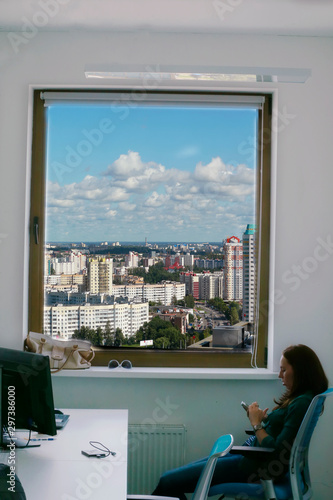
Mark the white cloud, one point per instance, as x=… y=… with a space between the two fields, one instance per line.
x=130 y=165
x=156 y=200
x=127 y=207
x=215 y=171
x=116 y=194
x=140 y=198
x=53 y=202
x=135 y=176
x=111 y=213
x=127 y=165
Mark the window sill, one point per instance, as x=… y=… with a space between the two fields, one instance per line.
x=172 y=373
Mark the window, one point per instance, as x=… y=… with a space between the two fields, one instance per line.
x=123 y=182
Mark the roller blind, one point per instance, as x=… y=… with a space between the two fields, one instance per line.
x=101 y=97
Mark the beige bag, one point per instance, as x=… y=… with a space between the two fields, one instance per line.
x=71 y=354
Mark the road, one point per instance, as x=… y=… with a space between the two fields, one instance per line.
x=209 y=317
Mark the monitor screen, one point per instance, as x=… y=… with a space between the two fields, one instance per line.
x=27 y=396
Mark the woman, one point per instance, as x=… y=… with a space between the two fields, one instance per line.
x=303 y=377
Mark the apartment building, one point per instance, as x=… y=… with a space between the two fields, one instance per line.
x=132 y=260
x=249 y=272
x=203 y=285
x=233 y=269
x=100 y=275
x=191 y=282
x=62 y=320
x=164 y=293
x=210 y=285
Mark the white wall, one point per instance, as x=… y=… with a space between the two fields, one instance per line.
x=304 y=204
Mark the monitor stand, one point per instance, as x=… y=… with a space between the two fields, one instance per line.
x=8 y=442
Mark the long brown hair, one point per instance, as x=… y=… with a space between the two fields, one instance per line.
x=308 y=373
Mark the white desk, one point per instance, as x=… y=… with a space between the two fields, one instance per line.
x=58 y=471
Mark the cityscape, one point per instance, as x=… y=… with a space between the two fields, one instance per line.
x=155 y=295
x=120 y=181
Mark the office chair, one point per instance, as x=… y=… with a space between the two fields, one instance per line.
x=297 y=483
x=221 y=447
x=6 y=480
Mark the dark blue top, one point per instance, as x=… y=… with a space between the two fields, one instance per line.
x=281 y=426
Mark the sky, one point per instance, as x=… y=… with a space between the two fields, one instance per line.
x=165 y=173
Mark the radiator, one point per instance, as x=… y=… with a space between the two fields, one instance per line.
x=153 y=449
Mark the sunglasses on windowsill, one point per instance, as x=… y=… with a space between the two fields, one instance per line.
x=124 y=364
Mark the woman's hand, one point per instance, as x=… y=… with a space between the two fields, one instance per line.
x=255 y=414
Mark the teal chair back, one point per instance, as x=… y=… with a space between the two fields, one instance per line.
x=299 y=464
x=220 y=448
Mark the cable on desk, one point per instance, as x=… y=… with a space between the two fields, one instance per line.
x=13 y=441
x=103 y=448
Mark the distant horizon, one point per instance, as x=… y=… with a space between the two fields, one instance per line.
x=137 y=243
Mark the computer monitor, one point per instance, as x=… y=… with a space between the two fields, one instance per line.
x=26 y=393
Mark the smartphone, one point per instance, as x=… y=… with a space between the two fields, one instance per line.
x=94 y=453
x=245 y=406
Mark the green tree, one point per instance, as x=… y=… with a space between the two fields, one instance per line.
x=108 y=334
x=96 y=337
x=173 y=334
x=118 y=337
x=155 y=274
x=108 y=341
x=193 y=338
x=158 y=328
x=142 y=333
x=234 y=317
x=189 y=301
x=129 y=340
x=85 y=333
x=82 y=333
x=238 y=309
x=220 y=305
x=162 y=343
x=207 y=332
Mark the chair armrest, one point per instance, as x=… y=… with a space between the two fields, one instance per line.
x=255 y=452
